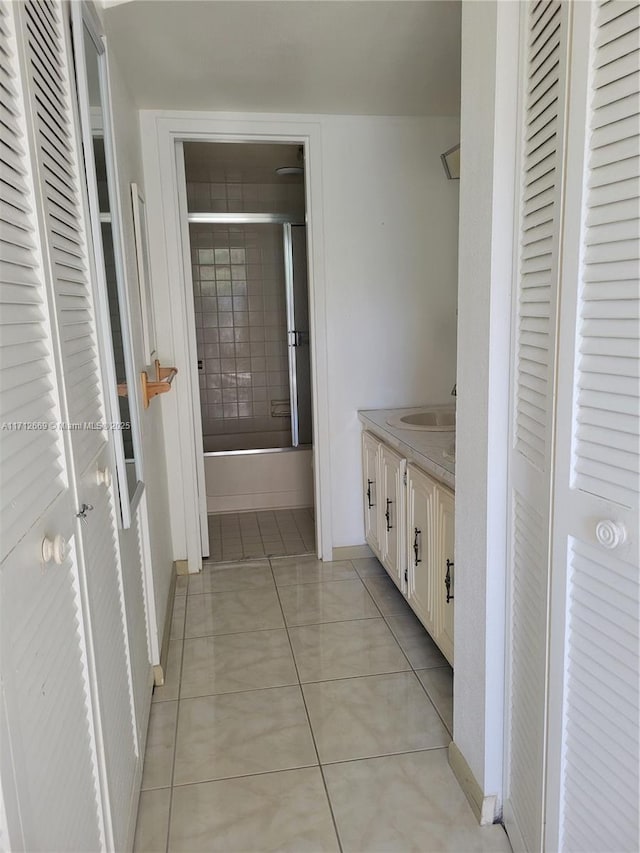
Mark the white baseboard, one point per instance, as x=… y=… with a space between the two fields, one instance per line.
x=484 y=807
x=160 y=669
x=352 y=552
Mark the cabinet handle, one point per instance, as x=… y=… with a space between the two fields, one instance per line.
x=369 y=484
x=416 y=547
x=447 y=581
x=387 y=515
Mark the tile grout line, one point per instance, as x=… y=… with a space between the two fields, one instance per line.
x=306 y=710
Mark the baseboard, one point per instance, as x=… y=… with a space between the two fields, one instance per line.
x=352 y=552
x=484 y=807
x=160 y=669
x=181 y=567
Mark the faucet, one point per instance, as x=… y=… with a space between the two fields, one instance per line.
x=454 y=393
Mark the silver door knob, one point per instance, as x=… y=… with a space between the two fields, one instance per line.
x=610 y=534
x=54 y=549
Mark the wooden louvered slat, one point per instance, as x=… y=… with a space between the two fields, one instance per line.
x=59 y=170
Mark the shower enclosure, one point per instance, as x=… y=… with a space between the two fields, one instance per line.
x=247 y=245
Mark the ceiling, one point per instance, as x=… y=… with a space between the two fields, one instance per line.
x=253 y=163
x=361 y=57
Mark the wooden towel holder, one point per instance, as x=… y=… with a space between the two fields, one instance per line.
x=161 y=384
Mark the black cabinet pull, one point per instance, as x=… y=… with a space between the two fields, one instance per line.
x=416 y=547
x=448 y=581
x=369 y=484
x=388 y=516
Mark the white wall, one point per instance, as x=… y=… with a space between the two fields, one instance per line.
x=391 y=238
x=488 y=131
x=127 y=145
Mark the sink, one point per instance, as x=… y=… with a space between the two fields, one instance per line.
x=431 y=419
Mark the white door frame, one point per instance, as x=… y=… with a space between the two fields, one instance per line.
x=161 y=130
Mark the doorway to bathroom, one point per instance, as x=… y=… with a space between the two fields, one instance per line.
x=245 y=210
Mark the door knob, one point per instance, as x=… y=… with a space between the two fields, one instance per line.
x=610 y=534
x=103 y=475
x=82 y=514
x=54 y=549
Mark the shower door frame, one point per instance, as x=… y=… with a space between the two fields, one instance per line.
x=162 y=134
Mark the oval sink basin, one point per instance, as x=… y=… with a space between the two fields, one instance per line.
x=432 y=419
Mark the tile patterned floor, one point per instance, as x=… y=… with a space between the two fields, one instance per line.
x=268 y=533
x=304 y=709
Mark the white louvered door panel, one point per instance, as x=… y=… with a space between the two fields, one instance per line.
x=106 y=600
x=48 y=760
x=61 y=183
x=594 y=753
x=544 y=39
x=45 y=29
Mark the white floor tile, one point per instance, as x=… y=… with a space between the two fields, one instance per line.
x=153 y=821
x=161 y=737
x=284 y=811
x=375 y=715
x=345 y=649
x=234 y=662
x=406 y=804
x=332 y=601
x=438 y=683
x=237 y=734
x=233 y=612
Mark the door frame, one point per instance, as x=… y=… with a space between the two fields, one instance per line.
x=161 y=131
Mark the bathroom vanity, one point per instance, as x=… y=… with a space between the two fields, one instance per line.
x=408 y=485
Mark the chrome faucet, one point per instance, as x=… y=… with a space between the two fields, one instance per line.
x=454 y=393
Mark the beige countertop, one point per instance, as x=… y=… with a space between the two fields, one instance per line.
x=425 y=449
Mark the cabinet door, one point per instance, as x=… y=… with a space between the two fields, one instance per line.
x=443 y=571
x=370 y=472
x=421 y=509
x=392 y=514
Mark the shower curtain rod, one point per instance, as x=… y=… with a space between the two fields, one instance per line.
x=241 y=219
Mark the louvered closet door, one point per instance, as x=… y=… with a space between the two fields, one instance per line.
x=594 y=756
x=545 y=28
x=48 y=54
x=48 y=760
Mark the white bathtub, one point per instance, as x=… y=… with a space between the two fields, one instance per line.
x=244 y=480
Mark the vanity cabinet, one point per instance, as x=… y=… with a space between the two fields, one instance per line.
x=392 y=511
x=430 y=535
x=409 y=524
x=370 y=477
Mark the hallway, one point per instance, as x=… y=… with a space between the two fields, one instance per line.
x=305 y=708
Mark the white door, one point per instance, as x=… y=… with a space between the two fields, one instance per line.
x=50 y=773
x=370 y=473
x=543 y=84
x=594 y=756
x=421 y=514
x=444 y=572
x=45 y=31
x=392 y=532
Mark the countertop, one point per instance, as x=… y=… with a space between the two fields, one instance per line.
x=425 y=449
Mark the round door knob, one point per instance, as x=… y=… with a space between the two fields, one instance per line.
x=103 y=475
x=54 y=549
x=610 y=534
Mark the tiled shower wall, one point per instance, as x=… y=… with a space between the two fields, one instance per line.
x=240 y=310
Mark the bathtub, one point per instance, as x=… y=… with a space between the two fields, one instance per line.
x=258 y=477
